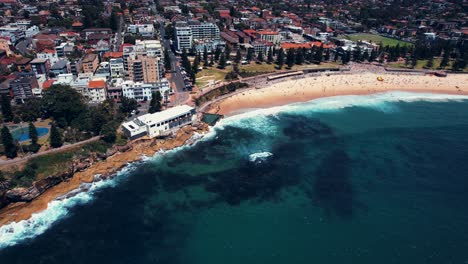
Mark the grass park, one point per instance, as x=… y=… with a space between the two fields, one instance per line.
x=213 y=74
x=376 y=39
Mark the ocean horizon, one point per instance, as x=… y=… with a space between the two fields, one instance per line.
x=378 y=178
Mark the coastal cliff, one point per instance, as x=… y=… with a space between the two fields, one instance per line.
x=19 y=203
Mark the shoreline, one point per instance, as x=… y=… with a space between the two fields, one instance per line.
x=108 y=168
x=304 y=89
x=271 y=94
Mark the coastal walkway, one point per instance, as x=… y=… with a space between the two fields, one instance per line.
x=55 y=150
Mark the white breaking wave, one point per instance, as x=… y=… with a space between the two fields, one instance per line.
x=259 y=156
x=16 y=232
x=259 y=120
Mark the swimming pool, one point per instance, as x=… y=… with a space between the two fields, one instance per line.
x=22 y=134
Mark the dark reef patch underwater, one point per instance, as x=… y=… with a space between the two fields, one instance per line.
x=353 y=179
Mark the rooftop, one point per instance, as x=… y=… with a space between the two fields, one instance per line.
x=95 y=84
x=165 y=115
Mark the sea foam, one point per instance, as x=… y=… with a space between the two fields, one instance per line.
x=259 y=120
x=259 y=156
x=16 y=232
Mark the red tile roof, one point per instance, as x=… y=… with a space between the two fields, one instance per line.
x=113 y=54
x=96 y=84
x=267 y=32
x=46 y=85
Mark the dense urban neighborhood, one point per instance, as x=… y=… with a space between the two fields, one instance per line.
x=75 y=71
x=233 y=131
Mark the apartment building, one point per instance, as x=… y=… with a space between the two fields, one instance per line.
x=144 y=69
x=22 y=87
x=90 y=63
x=270 y=36
x=145 y=30
x=150 y=48
x=183 y=36
x=143 y=91
x=97 y=90
x=117 y=69
x=51 y=55
x=204 y=31
x=40 y=66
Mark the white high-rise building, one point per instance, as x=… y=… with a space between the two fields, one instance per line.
x=204 y=31
x=183 y=37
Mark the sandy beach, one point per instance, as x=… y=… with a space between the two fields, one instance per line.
x=283 y=92
x=275 y=93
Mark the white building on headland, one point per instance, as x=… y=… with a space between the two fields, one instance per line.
x=161 y=123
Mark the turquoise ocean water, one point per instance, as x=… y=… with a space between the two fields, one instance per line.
x=351 y=179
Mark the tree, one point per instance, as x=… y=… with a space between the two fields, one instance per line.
x=260 y=56
x=373 y=55
x=33 y=134
x=6 y=108
x=113 y=21
x=185 y=60
x=55 y=138
x=155 y=103
x=2 y=177
x=167 y=60
x=357 y=54
x=270 y=56
x=108 y=133
x=205 y=56
x=318 y=56
x=445 y=60
x=211 y=60
x=430 y=63
x=238 y=57
x=10 y=148
x=222 y=62
x=217 y=53
x=299 y=58
x=63 y=103
x=280 y=58
x=327 y=55
x=250 y=54
x=196 y=63
x=128 y=105
x=290 y=58
x=365 y=56
x=227 y=52
x=169 y=31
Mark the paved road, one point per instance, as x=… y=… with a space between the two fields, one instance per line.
x=62 y=148
x=118 y=35
x=176 y=77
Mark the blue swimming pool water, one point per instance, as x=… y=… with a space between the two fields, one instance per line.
x=22 y=134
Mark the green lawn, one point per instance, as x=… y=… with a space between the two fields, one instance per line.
x=376 y=39
x=254 y=67
x=421 y=64
x=208 y=75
